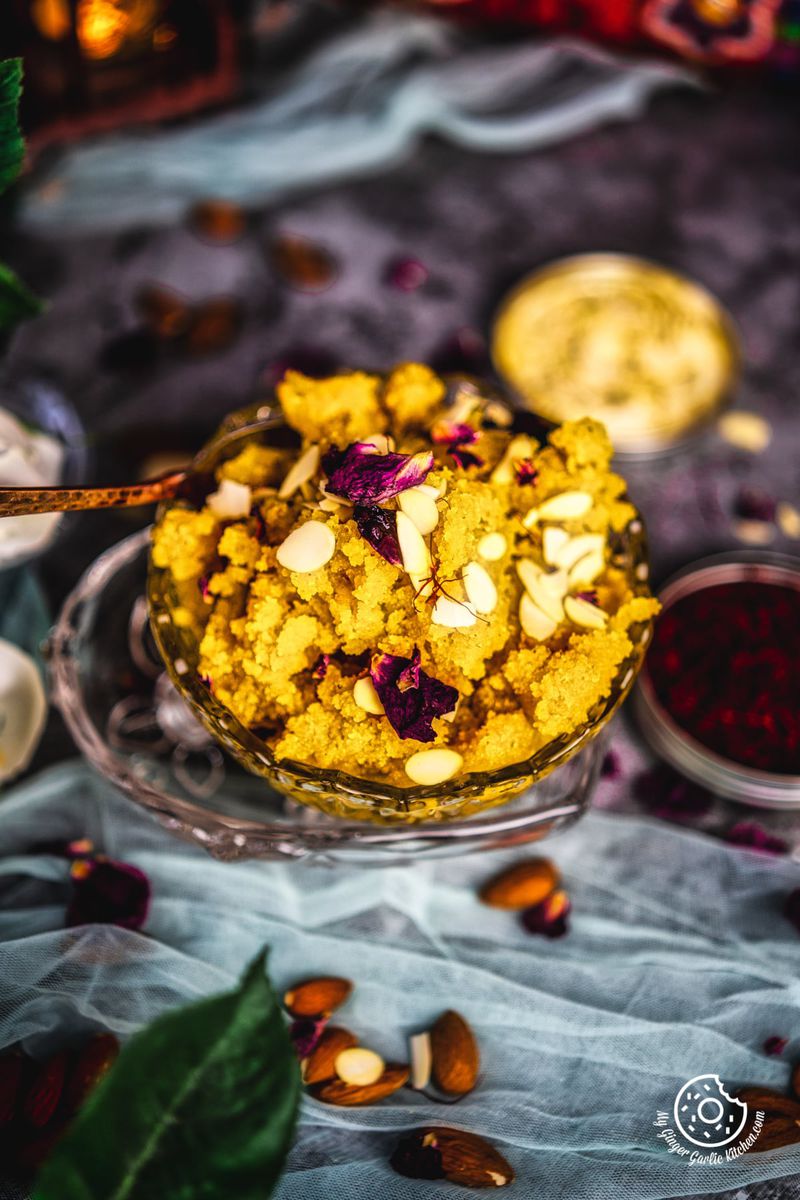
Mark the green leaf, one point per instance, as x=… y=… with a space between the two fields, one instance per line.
x=12 y=147
x=16 y=302
x=200 y=1106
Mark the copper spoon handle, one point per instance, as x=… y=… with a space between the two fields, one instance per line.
x=21 y=501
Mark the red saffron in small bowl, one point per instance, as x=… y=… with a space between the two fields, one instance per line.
x=725 y=665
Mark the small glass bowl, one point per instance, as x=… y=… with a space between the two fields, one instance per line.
x=336 y=792
x=41 y=405
x=132 y=725
x=720 y=775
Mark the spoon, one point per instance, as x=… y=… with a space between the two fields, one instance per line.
x=22 y=501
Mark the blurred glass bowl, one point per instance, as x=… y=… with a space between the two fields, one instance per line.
x=43 y=408
x=336 y=792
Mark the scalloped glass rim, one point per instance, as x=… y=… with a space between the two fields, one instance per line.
x=301 y=781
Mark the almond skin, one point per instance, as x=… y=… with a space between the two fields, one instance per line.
x=319 y=1065
x=334 y=1091
x=436 y=1152
x=455 y=1054
x=522 y=885
x=317 y=997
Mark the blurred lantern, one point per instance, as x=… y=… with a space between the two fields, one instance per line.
x=96 y=64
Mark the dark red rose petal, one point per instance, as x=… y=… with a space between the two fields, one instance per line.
x=321 y=666
x=525 y=471
x=754 y=837
x=453 y=433
x=775 y=1045
x=305 y=1034
x=666 y=794
x=414 y=1161
x=378 y=526
x=406 y=274
x=362 y=476
x=549 y=918
x=410 y=706
x=108 y=893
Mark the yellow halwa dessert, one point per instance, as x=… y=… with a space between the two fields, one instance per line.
x=415 y=592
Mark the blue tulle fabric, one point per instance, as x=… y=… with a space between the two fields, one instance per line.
x=679 y=962
x=357 y=105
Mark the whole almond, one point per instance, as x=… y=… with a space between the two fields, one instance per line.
x=317 y=997
x=334 y=1091
x=436 y=1152
x=522 y=885
x=781 y=1125
x=319 y=1065
x=455 y=1054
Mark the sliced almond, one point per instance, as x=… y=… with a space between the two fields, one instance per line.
x=583 y=614
x=413 y=548
x=534 y=622
x=520 y=446
x=366 y=697
x=307 y=548
x=317 y=997
x=586 y=569
x=381 y=441
x=358 y=1066
x=574 y=548
x=419 y=1047
x=347 y=1095
x=499 y=414
x=788 y=518
x=531 y=518
x=432 y=489
x=566 y=506
x=745 y=430
x=303 y=470
x=230 y=500
x=548 y=591
x=754 y=533
x=480 y=588
x=320 y=1063
x=554 y=539
x=421 y=507
x=453 y=614
x=433 y=766
x=455 y=1054
x=528 y=570
x=492 y=547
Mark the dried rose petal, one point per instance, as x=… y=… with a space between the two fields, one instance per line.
x=410 y=706
x=611 y=767
x=754 y=505
x=108 y=893
x=203 y=587
x=754 y=837
x=305 y=1033
x=549 y=917
x=417 y=1161
x=589 y=596
x=775 y=1045
x=321 y=666
x=378 y=526
x=453 y=433
x=525 y=471
x=362 y=476
x=465 y=458
x=406 y=274
x=666 y=794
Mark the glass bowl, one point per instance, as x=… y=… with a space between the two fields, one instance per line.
x=723 y=776
x=40 y=405
x=335 y=792
x=131 y=723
